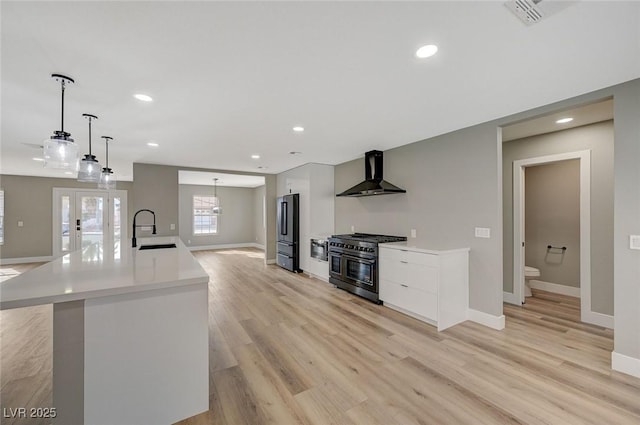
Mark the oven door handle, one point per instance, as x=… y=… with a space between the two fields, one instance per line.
x=360 y=259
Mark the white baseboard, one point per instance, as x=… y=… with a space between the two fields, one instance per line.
x=598 y=319
x=272 y=261
x=625 y=364
x=225 y=246
x=493 y=322
x=24 y=260
x=510 y=298
x=571 y=291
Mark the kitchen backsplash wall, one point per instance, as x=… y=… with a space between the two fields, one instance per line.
x=452 y=187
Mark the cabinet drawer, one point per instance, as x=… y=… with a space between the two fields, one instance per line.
x=412 y=257
x=417 y=276
x=410 y=299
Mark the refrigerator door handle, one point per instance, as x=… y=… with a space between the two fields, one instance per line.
x=283 y=218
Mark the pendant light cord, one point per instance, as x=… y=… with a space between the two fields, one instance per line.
x=107 y=146
x=62 y=114
x=89 y=136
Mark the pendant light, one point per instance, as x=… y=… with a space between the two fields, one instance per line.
x=60 y=151
x=216 y=208
x=89 y=166
x=107 y=179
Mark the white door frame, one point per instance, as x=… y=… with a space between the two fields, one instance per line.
x=72 y=193
x=587 y=315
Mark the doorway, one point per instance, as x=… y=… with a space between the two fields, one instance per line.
x=82 y=217
x=519 y=231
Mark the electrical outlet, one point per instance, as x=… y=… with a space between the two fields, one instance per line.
x=483 y=232
x=172 y=226
x=634 y=241
x=353 y=228
x=413 y=233
x=20 y=223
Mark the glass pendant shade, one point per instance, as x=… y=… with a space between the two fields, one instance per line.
x=107 y=179
x=60 y=153
x=90 y=170
x=215 y=204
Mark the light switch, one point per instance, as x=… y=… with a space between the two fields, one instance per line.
x=483 y=232
x=20 y=223
x=413 y=233
x=353 y=228
x=173 y=226
x=634 y=241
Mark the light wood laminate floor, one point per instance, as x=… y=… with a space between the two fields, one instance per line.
x=288 y=349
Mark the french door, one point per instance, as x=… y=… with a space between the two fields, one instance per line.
x=82 y=217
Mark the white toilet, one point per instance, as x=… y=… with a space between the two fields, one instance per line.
x=529 y=273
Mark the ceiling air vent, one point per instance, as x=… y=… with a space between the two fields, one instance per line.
x=526 y=10
x=532 y=11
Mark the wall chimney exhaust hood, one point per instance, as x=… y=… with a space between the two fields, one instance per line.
x=374 y=184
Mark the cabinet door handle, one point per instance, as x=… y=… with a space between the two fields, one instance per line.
x=403 y=262
x=404 y=286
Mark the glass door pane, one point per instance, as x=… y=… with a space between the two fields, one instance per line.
x=65 y=223
x=91 y=213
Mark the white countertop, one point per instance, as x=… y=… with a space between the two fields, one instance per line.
x=421 y=246
x=98 y=271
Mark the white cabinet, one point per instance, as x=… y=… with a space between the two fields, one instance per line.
x=430 y=285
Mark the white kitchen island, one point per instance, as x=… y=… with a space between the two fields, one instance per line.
x=130 y=332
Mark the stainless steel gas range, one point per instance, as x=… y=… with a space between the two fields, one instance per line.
x=353 y=262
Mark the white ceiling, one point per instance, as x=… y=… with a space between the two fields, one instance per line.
x=224 y=179
x=583 y=115
x=231 y=79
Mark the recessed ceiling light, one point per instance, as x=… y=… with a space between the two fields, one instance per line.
x=298 y=129
x=426 y=51
x=255 y=156
x=153 y=144
x=564 y=120
x=38 y=159
x=143 y=97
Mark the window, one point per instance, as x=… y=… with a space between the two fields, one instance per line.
x=205 y=221
x=1 y=217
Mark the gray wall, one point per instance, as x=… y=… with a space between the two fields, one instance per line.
x=30 y=200
x=552 y=217
x=236 y=224
x=452 y=183
x=599 y=139
x=259 y=222
x=156 y=187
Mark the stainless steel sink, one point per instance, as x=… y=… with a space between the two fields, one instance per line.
x=157 y=246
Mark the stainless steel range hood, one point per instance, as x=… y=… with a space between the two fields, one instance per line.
x=374 y=184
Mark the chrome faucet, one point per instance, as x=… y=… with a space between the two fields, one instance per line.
x=133 y=240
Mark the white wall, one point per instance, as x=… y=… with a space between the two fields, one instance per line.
x=314 y=183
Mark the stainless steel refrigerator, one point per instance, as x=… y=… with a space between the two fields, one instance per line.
x=288 y=229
